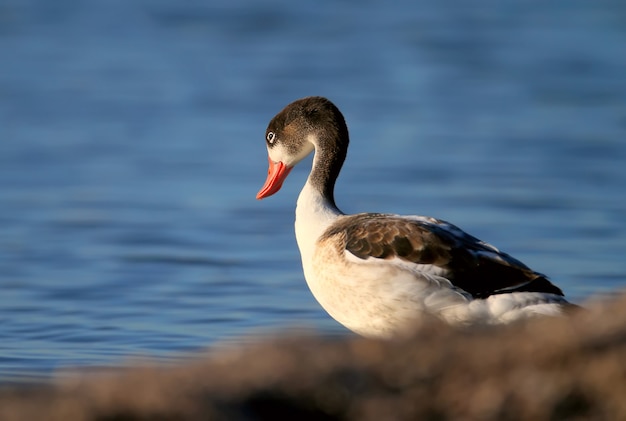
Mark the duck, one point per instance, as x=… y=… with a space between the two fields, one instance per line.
x=382 y=275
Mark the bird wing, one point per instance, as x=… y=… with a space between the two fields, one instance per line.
x=439 y=247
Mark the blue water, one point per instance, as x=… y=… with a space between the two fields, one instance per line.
x=131 y=149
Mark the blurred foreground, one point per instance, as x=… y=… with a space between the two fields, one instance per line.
x=572 y=368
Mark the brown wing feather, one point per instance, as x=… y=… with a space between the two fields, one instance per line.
x=469 y=263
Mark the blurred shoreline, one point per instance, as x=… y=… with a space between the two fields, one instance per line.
x=545 y=369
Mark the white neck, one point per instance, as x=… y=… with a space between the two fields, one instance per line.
x=314 y=214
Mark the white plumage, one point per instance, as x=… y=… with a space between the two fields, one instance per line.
x=380 y=275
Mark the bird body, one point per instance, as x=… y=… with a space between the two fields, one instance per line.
x=382 y=274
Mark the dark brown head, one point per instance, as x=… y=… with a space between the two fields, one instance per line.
x=312 y=123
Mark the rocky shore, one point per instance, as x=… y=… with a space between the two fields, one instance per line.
x=571 y=368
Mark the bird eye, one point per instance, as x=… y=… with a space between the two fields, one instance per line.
x=270 y=137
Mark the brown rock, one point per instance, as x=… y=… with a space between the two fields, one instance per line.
x=547 y=369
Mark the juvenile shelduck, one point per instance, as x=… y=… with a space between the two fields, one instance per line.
x=381 y=274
